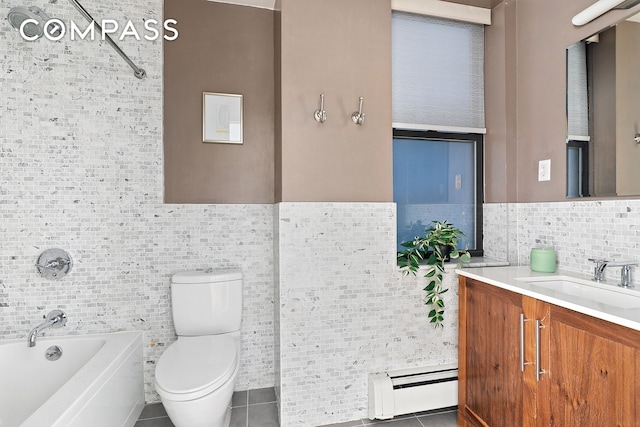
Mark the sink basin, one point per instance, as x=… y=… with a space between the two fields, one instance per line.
x=572 y=289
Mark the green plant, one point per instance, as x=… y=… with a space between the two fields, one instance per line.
x=438 y=239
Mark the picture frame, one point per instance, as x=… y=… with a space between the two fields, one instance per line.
x=222 y=118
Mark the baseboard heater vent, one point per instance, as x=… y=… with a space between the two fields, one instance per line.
x=412 y=390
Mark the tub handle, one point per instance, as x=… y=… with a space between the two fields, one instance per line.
x=54 y=264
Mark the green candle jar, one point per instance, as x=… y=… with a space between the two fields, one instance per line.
x=543 y=260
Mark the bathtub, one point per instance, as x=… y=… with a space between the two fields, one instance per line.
x=97 y=381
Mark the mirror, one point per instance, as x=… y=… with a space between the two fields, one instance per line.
x=603 y=113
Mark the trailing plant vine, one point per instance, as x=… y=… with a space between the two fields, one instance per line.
x=439 y=244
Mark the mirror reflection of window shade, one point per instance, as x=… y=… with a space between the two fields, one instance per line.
x=438 y=71
x=577 y=97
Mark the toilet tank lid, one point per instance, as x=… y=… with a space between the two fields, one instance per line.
x=206 y=276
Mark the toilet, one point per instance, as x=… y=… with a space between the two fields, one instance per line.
x=196 y=375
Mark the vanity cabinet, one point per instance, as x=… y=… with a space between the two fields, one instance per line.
x=490 y=382
x=588 y=370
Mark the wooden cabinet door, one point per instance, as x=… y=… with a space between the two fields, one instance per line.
x=491 y=380
x=593 y=372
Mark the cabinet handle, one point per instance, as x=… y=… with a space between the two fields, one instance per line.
x=522 y=362
x=538 y=370
x=522 y=342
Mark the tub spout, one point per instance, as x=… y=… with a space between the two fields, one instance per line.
x=56 y=319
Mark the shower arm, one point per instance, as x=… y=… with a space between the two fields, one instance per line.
x=137 y=71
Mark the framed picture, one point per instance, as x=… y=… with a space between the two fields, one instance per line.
x=221 y=118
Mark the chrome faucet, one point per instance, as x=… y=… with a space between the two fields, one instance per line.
x=56 y=319
x=625 y=276
x=598 y=271
x=625 y=273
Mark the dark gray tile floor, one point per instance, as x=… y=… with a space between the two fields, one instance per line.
x=432 y=419
x=257 y=408
x=253 y=408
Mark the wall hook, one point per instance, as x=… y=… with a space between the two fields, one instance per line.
x=358 y=116
x=320 y=115
x=637 y=138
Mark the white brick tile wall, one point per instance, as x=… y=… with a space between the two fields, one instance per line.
x=81 y=161
x=346 y=310
x=577 y=230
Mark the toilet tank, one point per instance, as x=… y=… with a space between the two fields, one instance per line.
x=206 y=302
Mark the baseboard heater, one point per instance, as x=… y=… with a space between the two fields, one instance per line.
x=408 y=391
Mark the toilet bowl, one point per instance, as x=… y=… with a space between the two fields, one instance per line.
x=195 y=376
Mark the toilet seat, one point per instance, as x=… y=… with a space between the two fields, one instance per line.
x=193 y=367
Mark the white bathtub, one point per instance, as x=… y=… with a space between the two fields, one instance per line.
x=97 y=382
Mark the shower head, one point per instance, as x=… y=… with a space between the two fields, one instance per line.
x=32 y=30
x=40 y=24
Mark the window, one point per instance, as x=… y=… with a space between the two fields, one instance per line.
x=438 y=115
x=577 y=121
x=577 y=168
x=436 y=176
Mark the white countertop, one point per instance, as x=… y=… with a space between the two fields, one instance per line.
x=479 y=262
x=507 y=278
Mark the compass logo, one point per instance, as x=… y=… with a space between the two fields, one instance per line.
x=56 y=29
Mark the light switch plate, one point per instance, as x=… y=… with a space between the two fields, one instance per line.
x=544 y=170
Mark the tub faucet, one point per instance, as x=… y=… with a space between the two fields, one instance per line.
x=56 y=319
